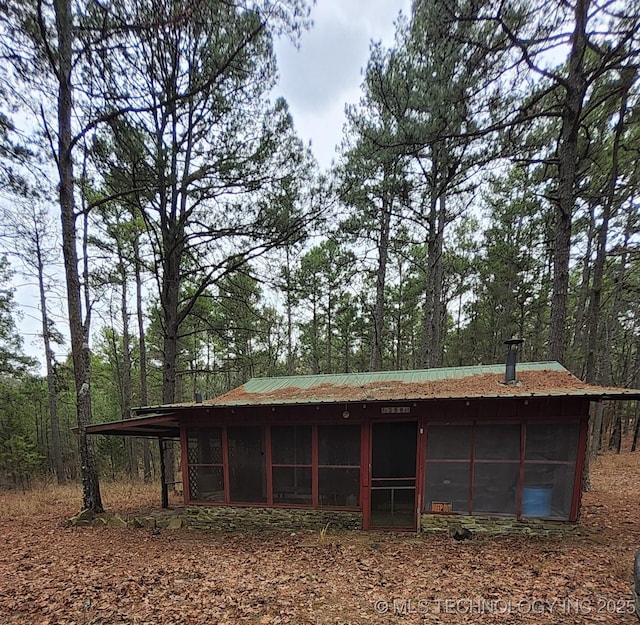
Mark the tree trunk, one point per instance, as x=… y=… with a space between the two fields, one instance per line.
x=144 y=395
x=616 y=435
x=431 y=351
x=583 y=296
x=567 y=155
x=132 y=461
x=289 y=304
x=329 y=368
x=399 y=334
x=375 y=359
x=596 y=286
x=315 y=359
x=595 y=430
x=78 y=331
x=169 y=299
x=56 y=446
x=601 y=252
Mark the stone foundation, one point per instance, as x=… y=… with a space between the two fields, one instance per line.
x=225 y=518
x=496 y=526
x=234 y=518
x=231 y=518
x=158 y=519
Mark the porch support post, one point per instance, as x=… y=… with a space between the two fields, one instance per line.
x=163 y=474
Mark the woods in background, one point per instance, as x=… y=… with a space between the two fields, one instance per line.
x=486 y=187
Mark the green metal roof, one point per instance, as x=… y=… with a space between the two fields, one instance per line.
x=484 y=381
x=269 y=385
x=475 y=382
x=480 y=382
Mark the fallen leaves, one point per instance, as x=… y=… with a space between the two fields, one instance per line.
x=56 y=575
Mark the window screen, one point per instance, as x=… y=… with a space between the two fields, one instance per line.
x=393 y=450
x=204 y=446
x=291 y=445
x=448 y=468
x=339 y=465
x=552 y=441
x=206 y=483
x=548 y=490
x=545 y=491
x=204 y=460
x=449 y=442
x=247 y=473
x=291 y=464
x=496 y=469
x=447 y=487
x=498 y=442
x=549 y=469
x=495 y=488
x=292 y=485
x=339 y=445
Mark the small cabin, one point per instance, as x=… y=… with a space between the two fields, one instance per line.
x=390 y=448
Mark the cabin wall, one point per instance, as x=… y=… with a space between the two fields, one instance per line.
x=523 y=458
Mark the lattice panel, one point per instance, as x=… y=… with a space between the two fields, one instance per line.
x=194 y=491
x=216 y=451
x=192 y=451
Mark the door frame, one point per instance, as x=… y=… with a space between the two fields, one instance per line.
x=368 y=473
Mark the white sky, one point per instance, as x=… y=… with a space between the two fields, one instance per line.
x=317 y=79
x=325 y=73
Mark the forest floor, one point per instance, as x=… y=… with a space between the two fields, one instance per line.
x=51 y=573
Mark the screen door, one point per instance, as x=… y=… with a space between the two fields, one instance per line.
x=393 y=475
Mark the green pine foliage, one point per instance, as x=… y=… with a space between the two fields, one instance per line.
x=216 y=251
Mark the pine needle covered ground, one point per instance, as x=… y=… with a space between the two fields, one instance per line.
x=54 y=574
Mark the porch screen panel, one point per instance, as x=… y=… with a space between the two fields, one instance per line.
x=447 y=468
x=485 y=459
x=339 y=465
x=247 y=465
x=496 y=469
x=549 y=469
x=204 y=462
x=291 y=464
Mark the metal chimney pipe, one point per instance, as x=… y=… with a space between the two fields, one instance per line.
x=512 y=359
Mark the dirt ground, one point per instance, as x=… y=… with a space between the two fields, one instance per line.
x=54 y=574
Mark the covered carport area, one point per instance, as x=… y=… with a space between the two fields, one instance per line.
x=159 y=423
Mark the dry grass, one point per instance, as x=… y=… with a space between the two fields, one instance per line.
x=49 y=499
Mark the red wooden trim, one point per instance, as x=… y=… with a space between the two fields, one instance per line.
x=290 y=466
x=367 y=511
x=422 y=463
x=262 y=504
x=498 y=461
x=365 y=473
x=266 y=432
x=455 y=460
x=417 y=495
x=366 y=442
x=472 y=464
x=225 y=464
x=135 y=422
x=184 y=457
x=392 y=479
x=576 y=499
x=314 y=466
x=551 y=462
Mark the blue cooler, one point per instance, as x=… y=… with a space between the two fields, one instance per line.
x=536 y=501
